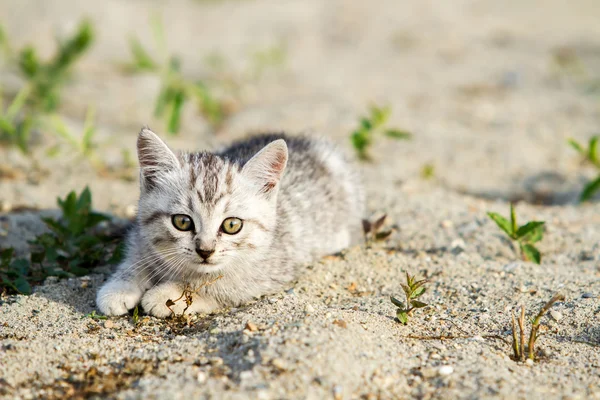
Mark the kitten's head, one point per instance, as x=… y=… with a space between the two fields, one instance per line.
x=202 y=213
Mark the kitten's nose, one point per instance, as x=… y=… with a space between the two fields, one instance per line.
x=204 y=253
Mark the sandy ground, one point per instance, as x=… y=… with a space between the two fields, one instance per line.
x=491 y=90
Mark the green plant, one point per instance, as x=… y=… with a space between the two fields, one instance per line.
x=15 y=126
x=95 y=316
x=525 y=235
x=13 y=273
x=72 y=246
x=46 y=78
x=41 y=93
x=175 y=88
x=372 y=126
x=591 y=156
x=413 y=289
x=518 y=341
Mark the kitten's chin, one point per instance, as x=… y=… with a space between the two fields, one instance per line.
x=206 y=268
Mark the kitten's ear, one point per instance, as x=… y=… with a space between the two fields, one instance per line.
x=267 y=166
x=154 y=156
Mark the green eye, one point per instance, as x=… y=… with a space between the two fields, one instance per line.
x=182 y=222
x=231 y=226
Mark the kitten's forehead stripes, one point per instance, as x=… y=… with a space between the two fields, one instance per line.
x=154 y=217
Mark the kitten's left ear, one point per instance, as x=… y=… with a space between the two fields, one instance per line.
x=267 y=166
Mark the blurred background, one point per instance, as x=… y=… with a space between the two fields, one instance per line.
x=488 y=91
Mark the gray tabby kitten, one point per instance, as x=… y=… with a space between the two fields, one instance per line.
x=251 y=213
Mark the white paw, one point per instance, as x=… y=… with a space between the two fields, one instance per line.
x=118 y=297
x=155 y=300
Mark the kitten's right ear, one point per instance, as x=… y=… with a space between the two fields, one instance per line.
x=154 y=156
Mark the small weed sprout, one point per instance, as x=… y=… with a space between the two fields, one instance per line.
x=13 y=273
x=525 y=235
x=46 y=78
x=40 y=96
x=413 y=289
x=372 y=126
x=518 y=341
x=73 y=246
x=591 y=156
x=186 y=295
x=374 y=231
x=95 y=316
x=175 y=88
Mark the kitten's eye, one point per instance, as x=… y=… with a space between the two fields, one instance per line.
x=182 y=222
x=231 y=226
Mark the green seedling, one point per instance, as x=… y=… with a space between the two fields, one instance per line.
x=413 y=289
x=13 y=273
x=175 y=88
x=15 y=125
x=46 y=78
x=428 y=171
x=518 y=341
x=525 y=235
x=72 y=247
x=591 y=156
x=136 y=315
x=372 y=126
x=95 y=316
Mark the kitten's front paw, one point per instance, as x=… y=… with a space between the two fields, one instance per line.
x=118 y=297
x=155 y=300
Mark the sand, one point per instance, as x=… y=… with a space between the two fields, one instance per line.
x=490 y=91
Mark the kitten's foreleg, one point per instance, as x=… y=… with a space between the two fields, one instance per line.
x=155 y=300
x=123 y=290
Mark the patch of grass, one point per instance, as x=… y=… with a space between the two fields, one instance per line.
x=525 y=235
x=46 y=78
x=40 y=95
x=428 y=171
x=413 y=289
x=371 y=127
x=518 y=340
x=73 y=247
x=590 y=155
x=175 y=89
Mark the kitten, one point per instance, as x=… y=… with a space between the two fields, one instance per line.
x=251 y=213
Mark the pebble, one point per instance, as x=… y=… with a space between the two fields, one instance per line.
x=557 y=316
x=251 y=326
x=529 y=362
x=109 y=324
x=279 y=364
x=511 y=266
x=588 y=296
x=202 y=377
x=337 y=392
x=309 y=309
x=341 y=323
x=445 y=370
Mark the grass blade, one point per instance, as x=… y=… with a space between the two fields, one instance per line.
x=398 y=134
x=576 y=145
x=502 y=223
x=529 y=228
x=531 y=253
x=590 y=189
x=593 y=151
x=513 y=220
x=175 y=117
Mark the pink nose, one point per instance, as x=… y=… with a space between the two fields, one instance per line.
x=204 y=253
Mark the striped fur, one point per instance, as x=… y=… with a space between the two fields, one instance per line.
x=298 y=199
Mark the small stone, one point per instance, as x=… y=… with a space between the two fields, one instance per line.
x=511 y=266
x=309 y=309
x=588 y=296
x=245 y=375
x=279 y=364
x=341 y=323
x=273 y=300
x=214 y=331
x=445 y=370
x=109 y=324
x=529 y=362
x=435 y=356
x=447 y=224
x=557 y=316
x=202 y=377
x=337 y=392
x=251 y=326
